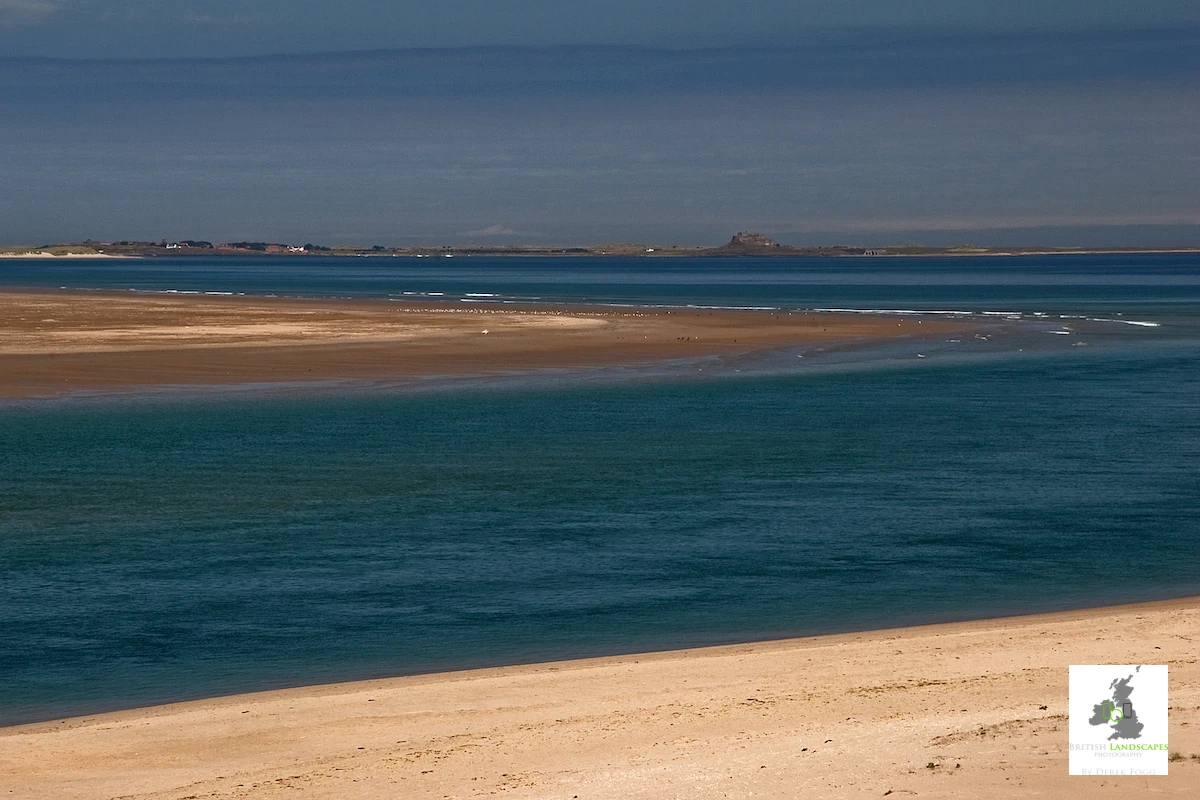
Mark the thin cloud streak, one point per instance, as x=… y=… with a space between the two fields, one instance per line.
x=18 y=13
x=495 y=230
x=834 y=64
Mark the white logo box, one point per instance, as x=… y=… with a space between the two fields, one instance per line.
x=1118 y=719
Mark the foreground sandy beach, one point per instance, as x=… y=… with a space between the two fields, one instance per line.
x=52 y=342
x=958 y=710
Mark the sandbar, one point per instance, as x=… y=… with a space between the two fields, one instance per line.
x=61 y=341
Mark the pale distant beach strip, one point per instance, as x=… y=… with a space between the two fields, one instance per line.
x=975 y=709
x=43 y=254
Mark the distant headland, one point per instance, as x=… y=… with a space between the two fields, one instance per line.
x=743 y=243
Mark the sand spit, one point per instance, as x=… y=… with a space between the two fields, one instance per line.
x=51 y=342
x=43 y=254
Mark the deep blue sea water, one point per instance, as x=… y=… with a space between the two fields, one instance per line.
x=1118 y=282
x=167 y=545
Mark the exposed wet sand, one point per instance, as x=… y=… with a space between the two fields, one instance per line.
x=53 y=342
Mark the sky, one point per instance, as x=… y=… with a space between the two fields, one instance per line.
x=218 y=28
x=366 y=121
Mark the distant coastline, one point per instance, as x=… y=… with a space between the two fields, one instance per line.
x=741 y=244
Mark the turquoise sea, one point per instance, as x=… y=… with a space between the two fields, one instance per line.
x=172 y=544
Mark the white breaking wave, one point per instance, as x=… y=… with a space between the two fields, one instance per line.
x=1005 y=314
x=944 y=312
x=728 y=308
x=1139 y=323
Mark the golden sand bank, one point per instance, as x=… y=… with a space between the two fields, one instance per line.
x=52 y=342
x=972 y=710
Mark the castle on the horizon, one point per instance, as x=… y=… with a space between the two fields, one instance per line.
x=748 y=239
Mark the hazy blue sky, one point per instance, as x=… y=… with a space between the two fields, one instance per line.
x=862 y=121
x=105 y=28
